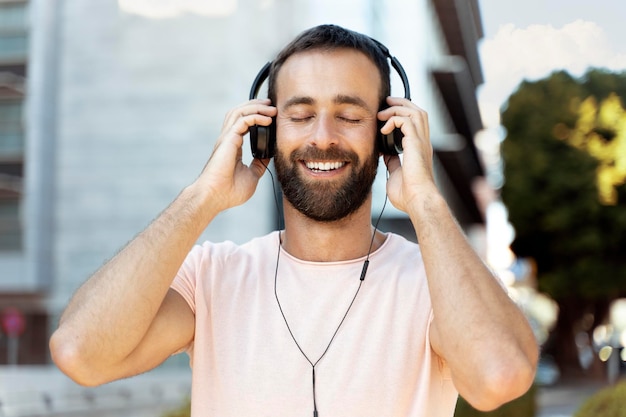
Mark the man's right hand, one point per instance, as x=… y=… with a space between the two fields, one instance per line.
x=225 y=174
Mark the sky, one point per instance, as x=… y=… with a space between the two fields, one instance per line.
x=530 y=39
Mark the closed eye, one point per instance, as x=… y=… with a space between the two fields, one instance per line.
x=350 y=120
x=300 y=119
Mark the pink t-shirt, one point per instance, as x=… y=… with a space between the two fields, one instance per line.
x=245 y=362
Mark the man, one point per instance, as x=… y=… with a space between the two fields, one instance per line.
x=329 y=315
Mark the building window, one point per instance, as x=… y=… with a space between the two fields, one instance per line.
x=13 y=30
x=11 y=169
x=13 y=54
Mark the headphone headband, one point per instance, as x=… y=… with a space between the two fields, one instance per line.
x=397 y=66
x=259 y=79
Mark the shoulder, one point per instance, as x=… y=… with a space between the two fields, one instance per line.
x=400 y=259
x=396 y=245
x=212 y=261
x=258 y=246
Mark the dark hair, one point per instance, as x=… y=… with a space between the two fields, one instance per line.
x=331 y=37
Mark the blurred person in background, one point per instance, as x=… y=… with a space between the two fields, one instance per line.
x=329 y=315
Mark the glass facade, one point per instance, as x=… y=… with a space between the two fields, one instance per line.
x=13 y=63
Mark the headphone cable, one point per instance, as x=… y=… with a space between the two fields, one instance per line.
x=361 y=279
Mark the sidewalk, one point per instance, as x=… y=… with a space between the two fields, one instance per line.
x=34 y=391
x=564 y=399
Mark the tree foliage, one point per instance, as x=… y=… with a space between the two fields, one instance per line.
x=608 y=402
x=565 y=169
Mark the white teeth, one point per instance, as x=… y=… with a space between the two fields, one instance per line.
x=324 y=166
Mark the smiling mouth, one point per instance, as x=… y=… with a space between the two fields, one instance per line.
x=324 y=166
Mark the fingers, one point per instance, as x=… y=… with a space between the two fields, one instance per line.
x=405 y=115
x=253 y=112
x=236 y=124
x=416 y=166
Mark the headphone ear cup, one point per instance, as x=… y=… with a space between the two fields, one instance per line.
x=389 y=144
x=263 y=140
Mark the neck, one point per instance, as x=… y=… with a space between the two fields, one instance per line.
x=344 y=239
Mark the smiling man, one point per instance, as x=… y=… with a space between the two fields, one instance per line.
x=329 y=316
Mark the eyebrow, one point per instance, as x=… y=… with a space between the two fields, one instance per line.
x=338 y=99
x=354 y=100
x=297 y=100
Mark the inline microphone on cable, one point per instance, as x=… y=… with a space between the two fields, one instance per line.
x=364 y=270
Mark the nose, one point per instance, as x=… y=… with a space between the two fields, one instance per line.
x=324 y=134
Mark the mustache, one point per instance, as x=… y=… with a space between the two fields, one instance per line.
x=312 y=153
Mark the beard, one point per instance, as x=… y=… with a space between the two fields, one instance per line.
x=326 y=200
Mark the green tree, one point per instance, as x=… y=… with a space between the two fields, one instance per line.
x=565 y=168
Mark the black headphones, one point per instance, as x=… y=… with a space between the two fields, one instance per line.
x=263 y=138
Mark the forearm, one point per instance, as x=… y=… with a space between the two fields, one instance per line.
x=478 y=329
x=109 y=315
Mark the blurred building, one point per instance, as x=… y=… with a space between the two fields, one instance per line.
x=109 y=108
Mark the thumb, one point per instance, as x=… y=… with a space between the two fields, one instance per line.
x=259 y=166
x=392 y=162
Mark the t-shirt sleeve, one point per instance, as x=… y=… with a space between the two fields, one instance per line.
x=185 y=281
x=442 y=365
x=185 y=284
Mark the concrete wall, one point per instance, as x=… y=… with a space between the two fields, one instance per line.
x=140 y=104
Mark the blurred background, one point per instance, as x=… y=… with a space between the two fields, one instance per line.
x=108 y=108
